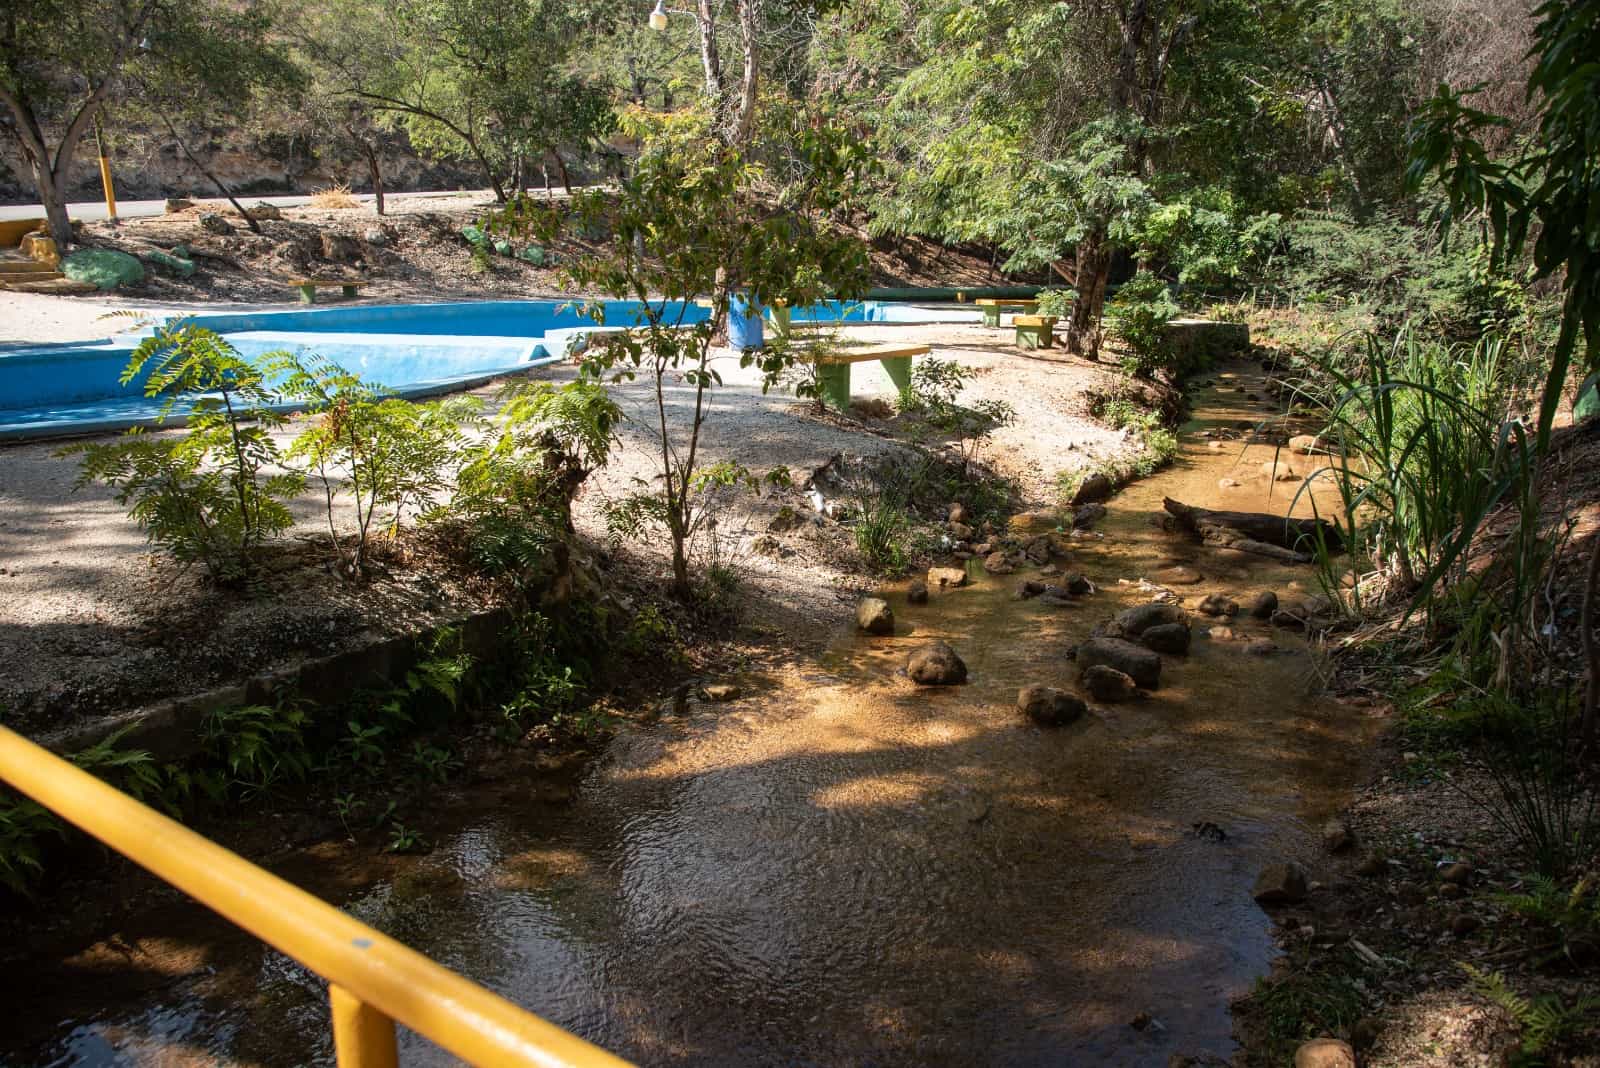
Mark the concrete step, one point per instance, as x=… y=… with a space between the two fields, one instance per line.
x=58 y=285
x=24 y=265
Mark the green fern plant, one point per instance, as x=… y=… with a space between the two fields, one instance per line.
x=1544 y=1021
x=1570 y=915
x=204 y=497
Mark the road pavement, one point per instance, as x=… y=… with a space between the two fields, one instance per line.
x=129 y=209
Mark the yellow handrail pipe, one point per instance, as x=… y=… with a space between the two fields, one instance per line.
x=374 y=981
x=105 y=171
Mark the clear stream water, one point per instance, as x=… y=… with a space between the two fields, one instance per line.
x=839 y=869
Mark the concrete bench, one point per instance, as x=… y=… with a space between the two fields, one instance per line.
x=1035 y=331
x=833 y=368
x=992 y=308
x=308 y=287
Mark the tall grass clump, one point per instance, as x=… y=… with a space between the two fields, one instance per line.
x=1435 y=467
x=1427 y=442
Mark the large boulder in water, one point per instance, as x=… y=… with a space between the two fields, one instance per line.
x=1050 y=707
x=936 y=665
x=1141 y=617
x=1170 y=638
x=874 y=616
x=1139 y=664
x=1283 y=883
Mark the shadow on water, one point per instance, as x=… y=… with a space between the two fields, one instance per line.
x=840 y=869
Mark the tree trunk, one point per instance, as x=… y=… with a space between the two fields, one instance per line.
x=1093 y=262
x=375 y=172
x=710 y=61
x=1257 y=532
x=1591 y=650
x=561 y=167
x=52 y=194
x=249 y=220
x=749 y=28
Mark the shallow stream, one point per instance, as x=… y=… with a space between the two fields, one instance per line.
x=839 y=869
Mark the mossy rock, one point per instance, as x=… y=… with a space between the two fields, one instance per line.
x=103 y=268
x=174 y=261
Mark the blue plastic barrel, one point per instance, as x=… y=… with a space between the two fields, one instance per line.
x=744 y=324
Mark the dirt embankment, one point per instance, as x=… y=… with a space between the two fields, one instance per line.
x=415 y=252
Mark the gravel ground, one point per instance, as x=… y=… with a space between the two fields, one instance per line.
x=91 y=622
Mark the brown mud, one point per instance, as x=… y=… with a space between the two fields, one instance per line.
x=839 y=868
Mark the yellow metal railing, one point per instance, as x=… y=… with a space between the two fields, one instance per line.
x=373 y=981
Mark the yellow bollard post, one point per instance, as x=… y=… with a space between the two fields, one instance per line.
x=363 y=1037
x=105 y=171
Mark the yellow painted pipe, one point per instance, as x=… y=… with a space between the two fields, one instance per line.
x=363 y=1037
x=369 y=967
x=111 y=193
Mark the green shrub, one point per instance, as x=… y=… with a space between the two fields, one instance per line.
x=204 y=497
x=933 y=401
x=1057 y=302
x=1138 y=317
x=394 y=456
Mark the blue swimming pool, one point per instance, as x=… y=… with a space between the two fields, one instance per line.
x=411 y=349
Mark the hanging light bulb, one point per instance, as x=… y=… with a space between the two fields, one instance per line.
x=658 y=17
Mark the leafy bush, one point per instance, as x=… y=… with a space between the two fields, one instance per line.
x=203 y=497
x=395 y=456
x=514 y=491
x=1138 y=317
x=933 y=399
x=1057 y=302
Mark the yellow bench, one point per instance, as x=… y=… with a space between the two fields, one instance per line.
x=1035 y=331
x=993 y=307
x=833 y=368
x=308 y=287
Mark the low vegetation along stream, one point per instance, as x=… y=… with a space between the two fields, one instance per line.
x=839 y=867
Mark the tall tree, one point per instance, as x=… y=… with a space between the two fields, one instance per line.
x=487 y=80
x=59 y=62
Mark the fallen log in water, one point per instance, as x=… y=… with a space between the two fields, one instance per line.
x=1256 y=532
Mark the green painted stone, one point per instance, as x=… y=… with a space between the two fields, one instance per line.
x=503 y=247
x=476 y=236
x=103 y=268
x=173 y=261
x=533 y=254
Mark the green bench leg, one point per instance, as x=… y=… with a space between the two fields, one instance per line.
x=308 y=294
x=833 y=381
x=350 y=292
x=1035 y=337
x=991 y=317
x=779 y=317
x=899 y=371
